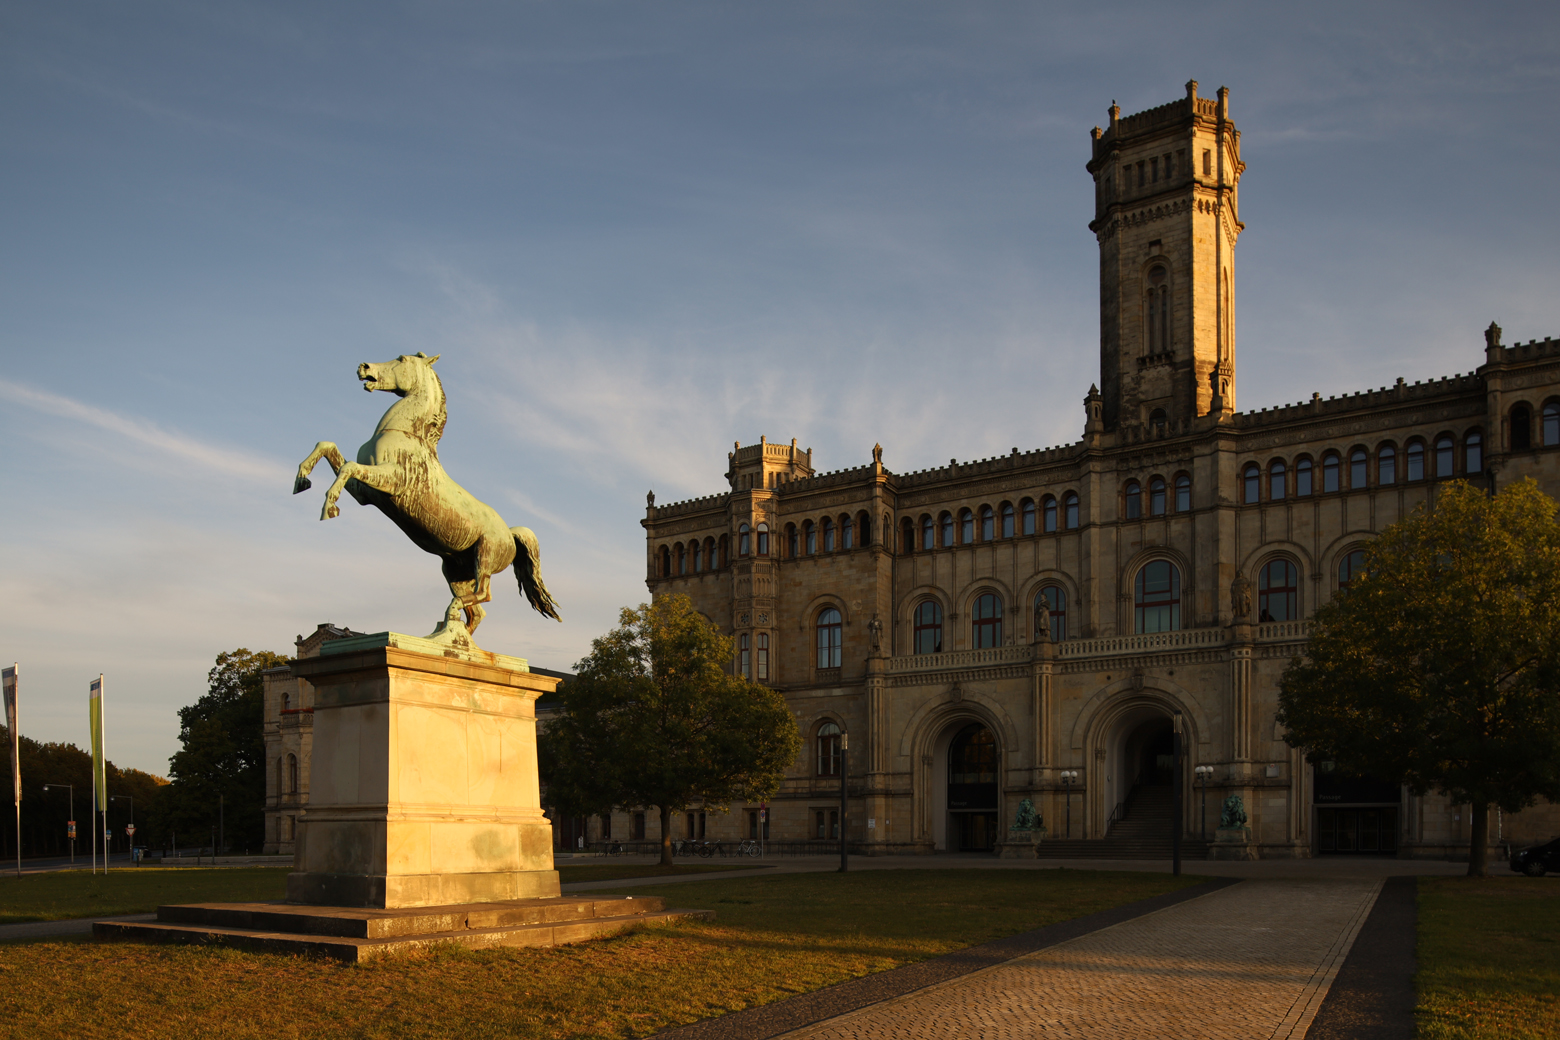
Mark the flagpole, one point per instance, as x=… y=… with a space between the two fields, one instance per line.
x=10 y=682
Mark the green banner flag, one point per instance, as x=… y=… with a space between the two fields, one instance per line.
x=99 y=771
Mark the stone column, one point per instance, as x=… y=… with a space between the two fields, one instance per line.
x=877 y=800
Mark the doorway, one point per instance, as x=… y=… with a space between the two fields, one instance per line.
x=972 y=789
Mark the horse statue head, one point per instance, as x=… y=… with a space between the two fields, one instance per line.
x=410 y=376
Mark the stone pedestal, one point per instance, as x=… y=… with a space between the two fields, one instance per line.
x=1232 y=843
x=424 y=789
x=1020 y=844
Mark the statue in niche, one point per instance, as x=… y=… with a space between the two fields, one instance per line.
x=1233 y=813
x=875 y=632
x=1043 y=620
x=398 y=471
x=1240 y=598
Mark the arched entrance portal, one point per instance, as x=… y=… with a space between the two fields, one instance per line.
x=1145 y=770
x=972 y=789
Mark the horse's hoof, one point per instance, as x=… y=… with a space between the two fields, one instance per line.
x=302 y=484
x=331 y=512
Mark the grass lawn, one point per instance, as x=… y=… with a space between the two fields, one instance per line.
x=569 y=874
x=1489 y=958
x=776 y=936
x=132 y=890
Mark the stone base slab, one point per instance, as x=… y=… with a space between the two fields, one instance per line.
x=358 y=934
x=419 y=890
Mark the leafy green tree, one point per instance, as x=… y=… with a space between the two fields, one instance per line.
x=1439 y=667
x=654 y=718
x=220 y=771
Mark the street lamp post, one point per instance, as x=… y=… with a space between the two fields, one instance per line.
x=1069 y=777
x=1204 y=774
x=844 y=757
x=71 y=828
x=1179 y=782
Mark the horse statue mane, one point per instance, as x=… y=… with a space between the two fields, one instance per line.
x=398 y=471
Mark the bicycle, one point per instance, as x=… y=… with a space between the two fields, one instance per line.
x=706 y=849
x=749 y=847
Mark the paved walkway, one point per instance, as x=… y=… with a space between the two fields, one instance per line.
x=1251 y=960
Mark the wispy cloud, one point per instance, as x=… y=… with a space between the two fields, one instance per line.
x=180 y=446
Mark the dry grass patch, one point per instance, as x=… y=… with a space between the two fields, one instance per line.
x=1489 y=958
x=776 y=936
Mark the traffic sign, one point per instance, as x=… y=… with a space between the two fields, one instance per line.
x=130 y=831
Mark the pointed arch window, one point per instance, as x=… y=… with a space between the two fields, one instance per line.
x=1055 y=599
x=1070 y=510
x=1157 y=307
x=1028 y=509
x=987 y=623
x=1278 y=592
x=1183 y=494
x=1049 y=512
x=829 y=633
x=828 y=743
x=929 y=627
x=1157 y=597
x=1134 y=500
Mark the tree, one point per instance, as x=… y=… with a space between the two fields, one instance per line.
x=219 y=774
x=654 y=718
x=1439 y=666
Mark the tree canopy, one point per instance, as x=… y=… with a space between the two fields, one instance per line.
x=219 y=774
x=655 y=718
x=1439 y=666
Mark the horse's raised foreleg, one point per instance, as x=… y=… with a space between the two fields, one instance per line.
x=323 y=450
x=385 y=477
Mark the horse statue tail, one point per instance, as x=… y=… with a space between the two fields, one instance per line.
x=528 y=569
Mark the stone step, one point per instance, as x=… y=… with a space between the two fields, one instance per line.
x=369 y=923
x=357 y=949
x=1109 y=848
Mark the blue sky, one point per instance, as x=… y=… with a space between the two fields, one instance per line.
x=637 y=233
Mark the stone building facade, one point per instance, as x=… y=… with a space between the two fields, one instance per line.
x=1034 y=625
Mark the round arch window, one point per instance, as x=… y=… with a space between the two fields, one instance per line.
x=1157 y=598
x=928 y=627
x=829 y=633
x=1278 y=592
x=987 y=623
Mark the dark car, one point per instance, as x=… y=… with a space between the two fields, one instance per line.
x=1536 y=860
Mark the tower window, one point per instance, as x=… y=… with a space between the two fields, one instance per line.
x=947 y=530
x=698 y=557
x=1157 y=421
x=1207 y=163
x=1156 y=497
x=1416 y=460
x=1140 y=173
x=967 y=527
x=828 y=534
x=1277 y=481
x=1157 y=309
x=1473 y=453
x=1153 y=170
x=1049 y=514
x=1134 y=500
x=1357 y=467
x=1329 y=472
x=763 y=657
x=1007 y=520
x=791 y=543
x=847 y=533
x=1551 y=424
x=745 y=657
x=1169 y=166
x=1253 y=483
x=1386 y=465
x=811 y=533
x=1521 y=428
x=1303 y=478
x=1183 y=494
x=988 y=524
x=682 y=559
x=928 y=533
x=763 y=539
x=1070 y=510
x=1029 y=515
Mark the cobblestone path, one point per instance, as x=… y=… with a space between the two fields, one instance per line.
x=1250 y=961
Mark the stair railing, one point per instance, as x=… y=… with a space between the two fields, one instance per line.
x=1119 y=813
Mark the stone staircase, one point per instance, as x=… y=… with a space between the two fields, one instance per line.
x=358 y=934
x=1143 y=832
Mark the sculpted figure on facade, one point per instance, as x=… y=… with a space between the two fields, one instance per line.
x=875 y=631
x=398 y=471
x=1240 y=598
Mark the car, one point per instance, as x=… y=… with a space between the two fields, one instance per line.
x=1536 y=859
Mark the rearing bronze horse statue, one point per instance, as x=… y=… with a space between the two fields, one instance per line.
x=398 y=470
